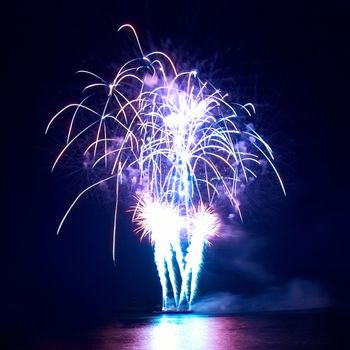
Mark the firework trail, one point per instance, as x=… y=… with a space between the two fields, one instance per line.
x=181 y=145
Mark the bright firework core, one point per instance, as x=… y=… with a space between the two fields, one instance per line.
x=181 y=147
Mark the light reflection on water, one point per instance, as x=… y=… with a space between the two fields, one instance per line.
x=174 y=332
x=170 y=332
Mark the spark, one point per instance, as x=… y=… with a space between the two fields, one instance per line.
x=182 y=147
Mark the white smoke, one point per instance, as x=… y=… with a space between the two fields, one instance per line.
x=297 y=294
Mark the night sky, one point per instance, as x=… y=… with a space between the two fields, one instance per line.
x=288 y=58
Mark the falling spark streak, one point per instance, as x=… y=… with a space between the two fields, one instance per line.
x=181 y=145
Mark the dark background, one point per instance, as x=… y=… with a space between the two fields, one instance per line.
x=288 y=58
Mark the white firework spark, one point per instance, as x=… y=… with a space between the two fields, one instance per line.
x=185 y=147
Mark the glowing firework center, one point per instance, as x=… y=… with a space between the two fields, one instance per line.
x=186 y=149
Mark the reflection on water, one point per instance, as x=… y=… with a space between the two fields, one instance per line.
x=174 y=332
x=170 y=332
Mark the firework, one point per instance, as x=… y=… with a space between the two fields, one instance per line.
x=181 y=146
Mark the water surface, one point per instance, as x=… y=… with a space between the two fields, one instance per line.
x=192 y=331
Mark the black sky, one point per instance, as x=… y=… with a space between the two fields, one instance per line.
x=288 y=58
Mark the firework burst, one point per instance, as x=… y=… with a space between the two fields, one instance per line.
x=181 y=145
